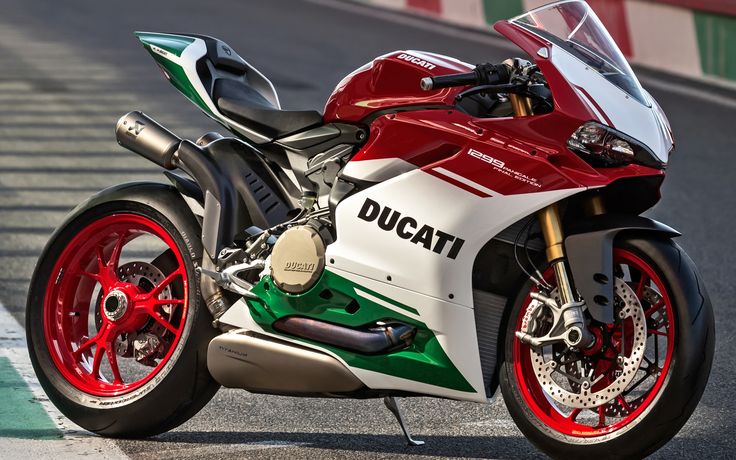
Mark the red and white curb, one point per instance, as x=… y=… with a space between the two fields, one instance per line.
x=692 y=43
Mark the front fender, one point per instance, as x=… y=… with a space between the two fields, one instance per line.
x=589 y=248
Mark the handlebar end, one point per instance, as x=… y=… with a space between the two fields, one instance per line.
x=426 y=83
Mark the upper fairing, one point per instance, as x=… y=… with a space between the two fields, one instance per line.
x=613 y=107
x=391 y=80
x=583 y=93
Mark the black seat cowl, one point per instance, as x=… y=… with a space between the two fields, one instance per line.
x=246 y=106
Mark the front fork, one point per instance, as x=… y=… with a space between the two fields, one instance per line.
x=568 y=319
x=576 y=333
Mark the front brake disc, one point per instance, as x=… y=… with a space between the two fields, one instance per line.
x=581 y=395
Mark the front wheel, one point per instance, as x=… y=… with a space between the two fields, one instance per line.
x=638 y=384
x=116 y=329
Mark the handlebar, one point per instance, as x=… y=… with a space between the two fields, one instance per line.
x=484 y=74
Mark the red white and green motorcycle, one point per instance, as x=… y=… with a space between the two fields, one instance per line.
x=441 y=230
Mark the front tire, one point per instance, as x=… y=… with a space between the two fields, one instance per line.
x=632 y=428
x=117 y=331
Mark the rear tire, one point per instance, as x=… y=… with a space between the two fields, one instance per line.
x=180 y=384
x=672 y=403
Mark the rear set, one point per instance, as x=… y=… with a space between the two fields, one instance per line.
x=442 y=229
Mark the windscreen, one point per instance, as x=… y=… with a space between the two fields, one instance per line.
x=574 y=27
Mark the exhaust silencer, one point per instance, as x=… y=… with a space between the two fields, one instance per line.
x=262 y=364
x=139 y=133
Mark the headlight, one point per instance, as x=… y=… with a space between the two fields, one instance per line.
x=602 y=146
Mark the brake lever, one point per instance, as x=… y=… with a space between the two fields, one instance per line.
x=505 y=88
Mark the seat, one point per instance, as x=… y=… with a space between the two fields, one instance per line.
x=245 y=105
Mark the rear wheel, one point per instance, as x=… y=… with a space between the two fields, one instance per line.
x=635 y=388
x=116 y=330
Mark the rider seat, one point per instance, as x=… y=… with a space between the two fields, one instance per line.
x=245 y=105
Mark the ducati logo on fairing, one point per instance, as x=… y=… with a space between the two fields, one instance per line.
x=415 y=60
x=404 y=226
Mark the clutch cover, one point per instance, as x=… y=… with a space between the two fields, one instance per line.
x=298 y=259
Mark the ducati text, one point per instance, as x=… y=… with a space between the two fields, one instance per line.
x=301 y=267
x=415 y=60
x=404 y=226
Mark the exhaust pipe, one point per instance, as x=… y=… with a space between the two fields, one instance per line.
x=139 y=133
x=380 y=338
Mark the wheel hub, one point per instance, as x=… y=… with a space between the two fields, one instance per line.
x=115 y=305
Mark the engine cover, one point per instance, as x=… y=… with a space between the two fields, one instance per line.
x=298 y=259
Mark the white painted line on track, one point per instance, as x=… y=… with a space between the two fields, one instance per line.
x=77 y=443
x=684 y=89
x=225 y=451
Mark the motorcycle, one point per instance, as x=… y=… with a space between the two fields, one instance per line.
x=442 y=230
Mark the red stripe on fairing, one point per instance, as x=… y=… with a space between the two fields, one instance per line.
x=428 y=6
x=592 y=101
x=457 y=184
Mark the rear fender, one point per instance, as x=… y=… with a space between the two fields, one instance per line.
x=589 y=248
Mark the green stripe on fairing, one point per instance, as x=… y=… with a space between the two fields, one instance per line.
x=21 y=416
x=717 y=44
x=178 y=78
x=424 y=361
x=387 y=300
x=174 y=44
x=496 y=10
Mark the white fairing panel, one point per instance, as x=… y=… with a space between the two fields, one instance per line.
x=436 y=285
x=613 y=106
x=362 y=247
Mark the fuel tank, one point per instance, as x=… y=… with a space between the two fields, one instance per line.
x=389 y=81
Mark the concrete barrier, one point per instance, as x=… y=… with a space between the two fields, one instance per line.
x=685 y=37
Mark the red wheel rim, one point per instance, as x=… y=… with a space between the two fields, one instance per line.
x=635 y=399
x=85 y=321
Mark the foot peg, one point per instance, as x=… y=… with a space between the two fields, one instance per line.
x=393 y=405
x=228 y=278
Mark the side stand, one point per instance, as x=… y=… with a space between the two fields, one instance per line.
x=393 y=405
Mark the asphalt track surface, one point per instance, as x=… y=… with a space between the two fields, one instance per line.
x=69 y=69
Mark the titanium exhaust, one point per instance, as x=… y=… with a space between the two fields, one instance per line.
x=139 y=133
x=262 y=364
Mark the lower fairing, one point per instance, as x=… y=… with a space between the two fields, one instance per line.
x=418 y=278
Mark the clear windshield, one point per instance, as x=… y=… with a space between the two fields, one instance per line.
x=573 y=26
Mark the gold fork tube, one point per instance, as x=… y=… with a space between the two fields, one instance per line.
x=551 y=225
x=522 y=105
x=594 y=206
x=549 y=222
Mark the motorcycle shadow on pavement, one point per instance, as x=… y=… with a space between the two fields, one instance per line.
x=501 y=447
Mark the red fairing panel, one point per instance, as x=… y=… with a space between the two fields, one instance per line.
x=484 y=156
x=389 y=81
x=446 y=144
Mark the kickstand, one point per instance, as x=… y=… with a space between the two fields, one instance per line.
x=393 y=405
